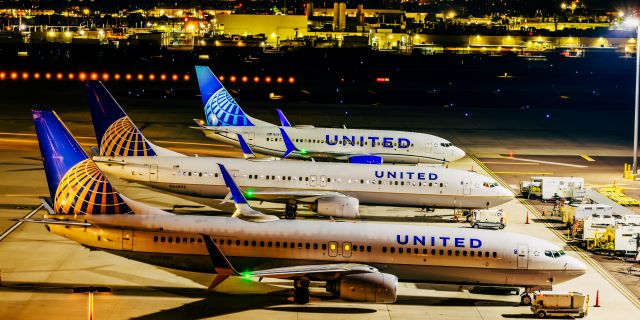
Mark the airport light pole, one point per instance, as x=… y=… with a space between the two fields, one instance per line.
x=636 y=23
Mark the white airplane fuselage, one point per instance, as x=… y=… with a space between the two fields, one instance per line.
x=412 y=253
x=420 y=186
x=338 y=143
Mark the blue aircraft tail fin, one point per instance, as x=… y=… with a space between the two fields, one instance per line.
x=75 y=183
x=246 y=150
x=287 y=143
x=283 y=119
x=220 y=108
x=117 y=135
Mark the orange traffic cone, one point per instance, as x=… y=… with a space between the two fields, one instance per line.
x=597 y=305
x=527 y=220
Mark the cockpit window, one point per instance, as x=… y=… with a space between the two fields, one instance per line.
x=490 y=184
x=554 y=254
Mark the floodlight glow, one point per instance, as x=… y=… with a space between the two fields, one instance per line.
x=631 y=22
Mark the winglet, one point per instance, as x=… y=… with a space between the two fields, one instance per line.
x=243 y=209
x=246 y=150
x=283 y=119
x=220 y=262
x=238 y=197
x=287 y=143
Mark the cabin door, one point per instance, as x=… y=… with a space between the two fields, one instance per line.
x=428 y=149
x=153 y=172
x=466 y=186
x=523 y=256
x=127 y=239
x=346 y=249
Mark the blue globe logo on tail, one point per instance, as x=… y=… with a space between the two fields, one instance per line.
x=122 y=138
x=84 y=190
x=222 y=110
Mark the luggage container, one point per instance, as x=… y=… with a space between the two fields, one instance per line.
x=559 y=304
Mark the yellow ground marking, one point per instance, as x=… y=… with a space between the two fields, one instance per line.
x=521 y=172
x=518 y=163
x=586 y=157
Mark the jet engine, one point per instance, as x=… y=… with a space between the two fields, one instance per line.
x=365 y=287
x=339 y=207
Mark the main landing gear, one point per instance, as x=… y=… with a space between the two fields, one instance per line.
x=290 y=210
x=301 y=291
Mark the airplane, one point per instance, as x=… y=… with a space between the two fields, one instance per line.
x=358 y=261
x=224 y=119
x=328 y=188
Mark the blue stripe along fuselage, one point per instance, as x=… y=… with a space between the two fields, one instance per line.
x=442 y=241
x=387 y=142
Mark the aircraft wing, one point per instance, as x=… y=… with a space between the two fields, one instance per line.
x=300 y=195
x=315 y=271
x=224 y=269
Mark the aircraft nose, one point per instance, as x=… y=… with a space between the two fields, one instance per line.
x=504 y=192
x=575 y=266
x=457 y=153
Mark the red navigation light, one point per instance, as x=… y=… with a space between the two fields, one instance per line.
x=152 y=77
x=82 y=76
x=25 y=75
x=232 y=78
x=292 y=79
x=245 y=79
x=105 y=76
x=279 y=79
x=94 y=76
x=186 y=77
x=256 y=79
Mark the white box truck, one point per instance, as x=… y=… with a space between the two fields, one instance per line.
x=559 y=304
x=553 y=188
x=488 y=219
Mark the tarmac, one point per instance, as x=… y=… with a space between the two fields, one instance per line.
x=39 y=270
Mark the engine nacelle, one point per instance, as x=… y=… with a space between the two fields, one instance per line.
x=339 y=207
x=366 y=287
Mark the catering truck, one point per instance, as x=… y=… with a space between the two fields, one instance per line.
x=553 y=188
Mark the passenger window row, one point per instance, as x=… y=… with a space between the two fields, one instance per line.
x=442 y=252
x=340 y=142
x=256 y=243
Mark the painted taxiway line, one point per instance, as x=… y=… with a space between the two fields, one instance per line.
x=19 y=223
x=586 y=157
x=547 y=162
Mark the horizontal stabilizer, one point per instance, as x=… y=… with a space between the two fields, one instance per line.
x=56 y=221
